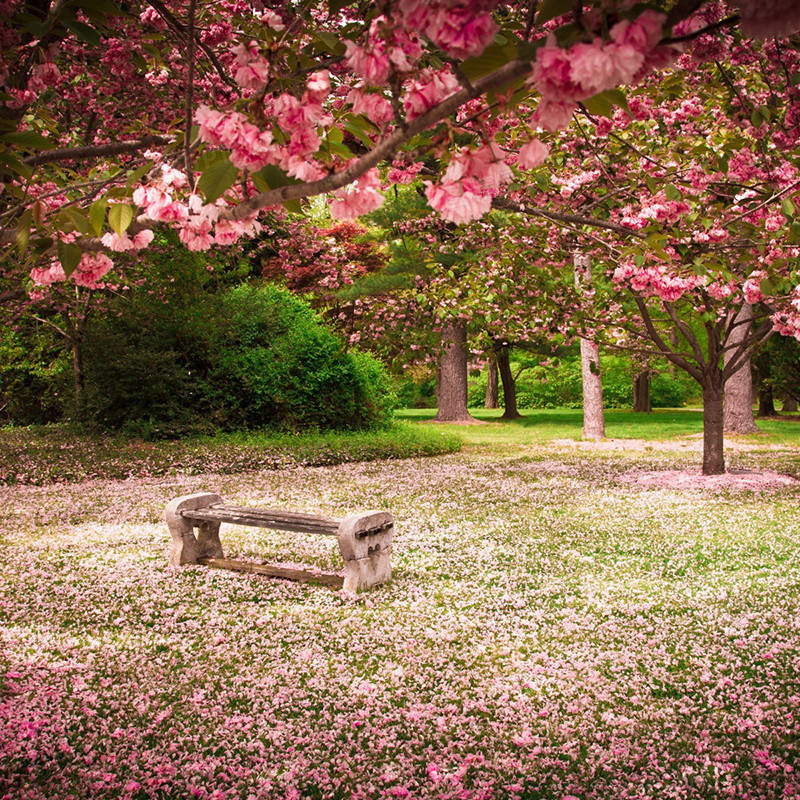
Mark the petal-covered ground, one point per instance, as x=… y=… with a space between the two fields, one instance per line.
x=559 y=625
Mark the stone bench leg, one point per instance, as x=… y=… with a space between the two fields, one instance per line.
x=186 y=549
x=367 y=558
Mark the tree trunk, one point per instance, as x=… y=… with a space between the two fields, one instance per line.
x=641 y=392
x=509 y=384
x=452 y=376
x=492 y=387
x=713 y=427
x=789 y=404
x=77 y=374
x=738 y=404
x=593 y=420
x=766 y=400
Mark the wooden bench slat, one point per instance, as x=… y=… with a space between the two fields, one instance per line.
x=265 y=518
x=300 y=575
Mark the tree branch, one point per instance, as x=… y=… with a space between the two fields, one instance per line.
x=97 y=150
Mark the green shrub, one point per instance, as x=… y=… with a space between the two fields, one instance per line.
x=272 y=362
x=35 y=375
x=246 y=357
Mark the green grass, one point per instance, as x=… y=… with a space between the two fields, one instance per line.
x=541 y=426
x=65 y=454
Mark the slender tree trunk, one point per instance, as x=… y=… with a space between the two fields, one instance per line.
x=509 y=384
x=789 y=404
x=77 y=374
x=738 y=404
x=594 y=426
x=713 y=425
x=492 y=387
x=641 y=392
x=452 y=376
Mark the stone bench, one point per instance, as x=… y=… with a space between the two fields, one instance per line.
x=365 y=540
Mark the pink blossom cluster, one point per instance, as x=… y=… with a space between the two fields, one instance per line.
x=468 y=184
x=656 y=281
x=462 y=28
x=655 y=208
x=252 y=69
x=359 y=197
x=389 y=47
x=564 y=76
x=91 y=268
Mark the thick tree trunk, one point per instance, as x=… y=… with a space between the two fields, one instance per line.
x=509 y=384
x=738 y=404
x=492 y=386
x=594 y=426
x=641 y=392
x=452 y=376
x=713 y=428
x=789 y=404
x=766 y=400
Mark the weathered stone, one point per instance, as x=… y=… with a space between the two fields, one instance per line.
x=186 y=548
x=366 y=544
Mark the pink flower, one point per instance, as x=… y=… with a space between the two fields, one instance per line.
x=42 y=276
x=375 y=107
x=460 y=202
x=428 y=90
x=532 y=154
x=592 y=67
x=371 y=64
x=553 y=115
x=358 y=198
x=91 y=268
x=196 y=234
x=319 y=84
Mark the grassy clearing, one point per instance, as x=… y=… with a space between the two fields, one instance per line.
x=63 y=454
x=539 y=426
x=552 y=630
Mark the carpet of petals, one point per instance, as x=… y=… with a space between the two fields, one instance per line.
x=554 y=629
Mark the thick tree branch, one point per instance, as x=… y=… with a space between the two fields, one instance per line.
x=509 y=73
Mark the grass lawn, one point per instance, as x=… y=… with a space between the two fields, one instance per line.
x=556 y=627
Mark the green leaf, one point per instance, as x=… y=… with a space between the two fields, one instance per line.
x=28 y=139
x=24 y=230
x=69 y=255
x=550 y=9
x=84 y=32
x=672 y=192
x=788 y=208
x=766 y=113
x=330 y=42
x=78 y=219
x=217 y=178
x=794 y=232
x=599 y=106
x=15 y=165
x=756 y=118
x=272 y=177
x=294 y=206
x=120 y=216
x=767 y=287
x=97 y=215
x=491 y=59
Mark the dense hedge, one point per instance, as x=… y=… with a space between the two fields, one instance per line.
x=246 y=357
